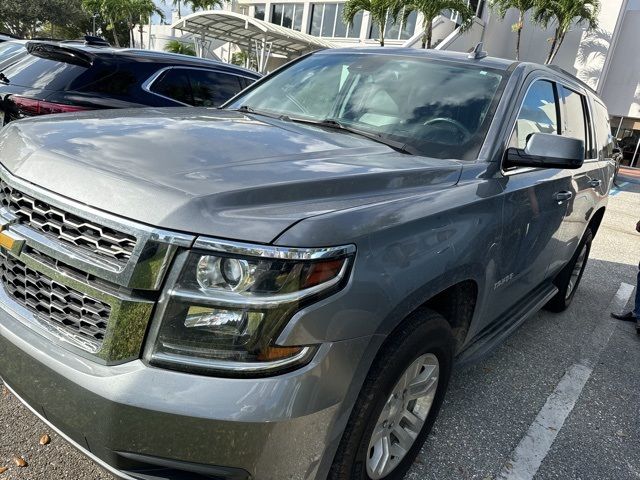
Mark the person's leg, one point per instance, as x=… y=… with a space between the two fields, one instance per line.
x=636 y=310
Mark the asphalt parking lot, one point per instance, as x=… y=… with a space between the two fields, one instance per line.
x=559 y=400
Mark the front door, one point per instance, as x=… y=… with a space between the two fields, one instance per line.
x=536 y=202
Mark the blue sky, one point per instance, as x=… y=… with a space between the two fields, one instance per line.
x=166 y=7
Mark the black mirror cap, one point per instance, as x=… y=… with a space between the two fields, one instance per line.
x=546 y=150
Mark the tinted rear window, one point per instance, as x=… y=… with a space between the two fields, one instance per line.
x=42 y=73
x=212 y=89
x=174 y=84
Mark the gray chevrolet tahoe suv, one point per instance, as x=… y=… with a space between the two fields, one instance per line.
x=280 y=289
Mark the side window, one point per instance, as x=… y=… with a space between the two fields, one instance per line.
x=539 y=113
x=603 y=129
x=574 y=123
x=174 y=84
x=212 y=89
x=245 y=82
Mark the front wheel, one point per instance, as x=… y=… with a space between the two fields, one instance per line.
x=569 y=278
x=399 y=401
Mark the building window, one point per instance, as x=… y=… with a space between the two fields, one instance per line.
x=288 y=15
x=258 y=11
x=401 y=30
x=326 y=21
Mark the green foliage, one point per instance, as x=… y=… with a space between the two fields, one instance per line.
x=378 y=10
x=243 y=59
x=562 y=14
x=204 y=4
x=30 y=18
x=122 y=12
x=430 y=9
x=174 y=46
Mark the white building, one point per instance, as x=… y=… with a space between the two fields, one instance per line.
x=607 y=59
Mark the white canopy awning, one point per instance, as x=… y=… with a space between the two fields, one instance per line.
x=247 y=31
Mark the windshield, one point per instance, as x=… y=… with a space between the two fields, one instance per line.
x=437 y=108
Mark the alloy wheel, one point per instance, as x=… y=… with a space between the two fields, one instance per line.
x=403 y=416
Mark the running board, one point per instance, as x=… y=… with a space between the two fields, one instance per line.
x=501 y=329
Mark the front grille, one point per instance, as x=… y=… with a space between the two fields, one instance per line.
x=67 y=227
x=69 y=310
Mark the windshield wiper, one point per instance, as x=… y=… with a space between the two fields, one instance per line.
x=249 y=109
x=376 y=137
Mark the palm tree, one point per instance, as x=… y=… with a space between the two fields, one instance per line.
x=204 y=4
x=177 y=4
x=378 y=9
x=143 y=10
x=562 y=14
x=523 y=6
x=430 y=9
x=113 y=11
x=174 y=46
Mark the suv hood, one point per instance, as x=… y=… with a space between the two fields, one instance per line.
x=212 y=172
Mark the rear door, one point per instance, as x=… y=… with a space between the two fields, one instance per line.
x=584 y=183
x=603 y=145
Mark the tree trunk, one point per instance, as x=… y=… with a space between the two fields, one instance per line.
x=142 y=31
x=555 y=52
x=115 y=35
x=382 y=29
x=519 y=34
x=553 y=47
x=179 y=12
x=429 y=32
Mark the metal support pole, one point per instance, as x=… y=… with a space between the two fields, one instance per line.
x=635 y=154
x=619 y=127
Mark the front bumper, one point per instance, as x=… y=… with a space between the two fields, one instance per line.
x=142 y=422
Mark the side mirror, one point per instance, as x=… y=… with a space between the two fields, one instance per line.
x=546 y=150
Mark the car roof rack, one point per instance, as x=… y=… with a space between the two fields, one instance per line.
x=477 y=53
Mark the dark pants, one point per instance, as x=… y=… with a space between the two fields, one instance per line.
x=636 y=310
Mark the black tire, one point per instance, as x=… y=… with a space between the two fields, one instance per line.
x=425 y=331
x=561 y=301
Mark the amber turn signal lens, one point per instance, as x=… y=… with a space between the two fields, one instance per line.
x=323 y=272
x=278 y=353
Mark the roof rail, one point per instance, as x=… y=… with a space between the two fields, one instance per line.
x=573 y=77
x=477 y=53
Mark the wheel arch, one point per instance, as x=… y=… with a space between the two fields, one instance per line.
x=456 y=302
x=596 y=220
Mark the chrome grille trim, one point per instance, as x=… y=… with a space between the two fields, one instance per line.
x=125 y=326
x=78 y=315
x=129 y=287
x=66 y=227
x=148 y=260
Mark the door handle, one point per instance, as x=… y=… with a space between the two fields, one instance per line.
x=562 y=196
x=595 y=183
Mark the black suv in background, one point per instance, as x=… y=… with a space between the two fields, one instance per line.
x=56 y=77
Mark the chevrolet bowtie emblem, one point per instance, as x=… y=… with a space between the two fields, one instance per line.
x=10 y=241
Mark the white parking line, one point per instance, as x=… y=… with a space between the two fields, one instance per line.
x=526 y=458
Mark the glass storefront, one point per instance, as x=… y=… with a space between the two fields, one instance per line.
x=401 y=30
x=287 y=15
x=627 y=134
x=326 y=21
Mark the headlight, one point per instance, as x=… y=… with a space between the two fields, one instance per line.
x=226 y=305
